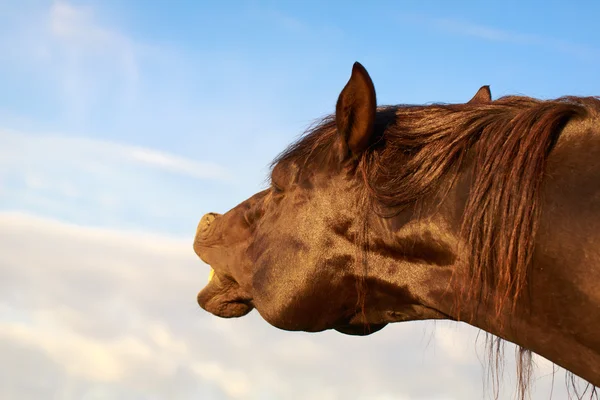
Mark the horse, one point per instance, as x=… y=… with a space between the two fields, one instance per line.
x=485 y=212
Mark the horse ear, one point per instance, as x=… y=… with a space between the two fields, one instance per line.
x=355 y=111
x=483 y=96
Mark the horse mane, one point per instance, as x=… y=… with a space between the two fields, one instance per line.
x=505 y=144
x=420 y=151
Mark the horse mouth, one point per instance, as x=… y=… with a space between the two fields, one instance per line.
x=223 y=298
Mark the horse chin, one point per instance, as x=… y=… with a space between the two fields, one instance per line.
x=360 y=329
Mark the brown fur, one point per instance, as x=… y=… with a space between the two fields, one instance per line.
x=422 y=148
x=483 y=212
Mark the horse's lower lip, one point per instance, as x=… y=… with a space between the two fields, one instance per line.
x=214 y=299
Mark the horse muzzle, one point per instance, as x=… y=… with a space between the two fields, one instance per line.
x=205 y=235
x=204 y=229
x=221 y=296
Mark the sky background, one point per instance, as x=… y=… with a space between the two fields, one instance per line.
x=123 y=122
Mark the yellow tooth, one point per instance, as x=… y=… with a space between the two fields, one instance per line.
x=211 y=274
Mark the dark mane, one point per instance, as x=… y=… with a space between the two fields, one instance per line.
x=420 y=148
x=419 y=152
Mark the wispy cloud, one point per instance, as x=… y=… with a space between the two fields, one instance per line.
x=488 y=33
x=484 y=32
x=169 y=162
x=94 y=181
x=101 y=311
x=111 y=313
x=85 y=59
x=83 y=50
x=21 y=150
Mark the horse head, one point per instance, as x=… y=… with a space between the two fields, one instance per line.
x=478 y=212
x=295 y=251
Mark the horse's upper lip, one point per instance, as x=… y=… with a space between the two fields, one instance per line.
x=205 y=225
x=205 y=235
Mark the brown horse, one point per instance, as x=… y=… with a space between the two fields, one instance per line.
x=486 y=212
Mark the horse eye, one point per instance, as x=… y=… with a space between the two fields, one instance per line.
x=276 y=189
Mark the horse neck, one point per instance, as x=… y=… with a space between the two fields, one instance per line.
x=534 y=322
x=538 y=321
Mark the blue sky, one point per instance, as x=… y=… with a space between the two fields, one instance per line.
x=232 y=83
x=124 y=122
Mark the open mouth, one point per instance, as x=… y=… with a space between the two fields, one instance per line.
x=222 y=295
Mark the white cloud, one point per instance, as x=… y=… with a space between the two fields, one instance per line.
x=466 y=28
x=91 y=181
x=101 y=312
x=76 y=58
x=77 y=36
x=485 y=32
x=86 y=74
x=236 y=384
x=22 y=150
x=77 y=24
x=104 y=313
x=175 y=164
